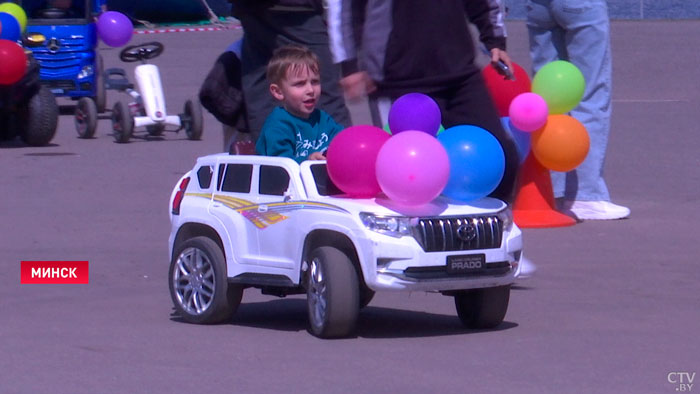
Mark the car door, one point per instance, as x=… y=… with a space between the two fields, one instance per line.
x=230 y=198
x=277 y=215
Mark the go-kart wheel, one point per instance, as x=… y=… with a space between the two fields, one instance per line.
x=100 y=89
x=39 y=121
x=192 y=119
x=122 y=122
x=85 y=117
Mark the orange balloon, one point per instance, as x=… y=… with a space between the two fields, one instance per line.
x=561 y=144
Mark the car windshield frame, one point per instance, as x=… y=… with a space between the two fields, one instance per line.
x=322 y=181
x=31 y=7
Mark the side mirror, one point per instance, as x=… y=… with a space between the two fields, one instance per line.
x=33 y=40
x=287 y=196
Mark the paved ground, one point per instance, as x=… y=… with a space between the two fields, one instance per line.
x=613 y=307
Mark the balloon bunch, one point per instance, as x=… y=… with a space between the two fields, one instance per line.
x=114 y=28
x=534 y=113
x=409 y=164
x=13 y=61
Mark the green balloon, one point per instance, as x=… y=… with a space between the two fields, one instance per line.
x=440 y=130
x=561 y=85
x=16 y=11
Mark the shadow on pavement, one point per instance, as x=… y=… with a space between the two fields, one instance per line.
x=374 y=322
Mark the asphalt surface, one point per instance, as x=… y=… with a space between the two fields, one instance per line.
x=613 y=307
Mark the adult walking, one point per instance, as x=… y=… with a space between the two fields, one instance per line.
x=579 y=32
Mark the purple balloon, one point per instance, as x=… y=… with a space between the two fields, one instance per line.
x=114 y=28
x=412 y=168
x=414 y=111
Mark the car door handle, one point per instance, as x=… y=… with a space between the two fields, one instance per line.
x=262 y=208
x=216 y=205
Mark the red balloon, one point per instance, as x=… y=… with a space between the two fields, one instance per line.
x=503 y=91
x=13 y=62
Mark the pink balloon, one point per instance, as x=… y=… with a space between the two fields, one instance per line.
x=412 y=168
x=352 y=157
x=528 y=111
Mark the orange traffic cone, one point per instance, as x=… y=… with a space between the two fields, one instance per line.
x=534 y=205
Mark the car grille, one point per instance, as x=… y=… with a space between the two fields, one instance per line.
x=460 y=233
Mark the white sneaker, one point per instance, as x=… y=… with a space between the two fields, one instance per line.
x=527 y=268
x=595 y=210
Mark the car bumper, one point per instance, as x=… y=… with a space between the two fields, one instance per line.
x=401 y=264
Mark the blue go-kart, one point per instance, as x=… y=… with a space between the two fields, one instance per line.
x=62 y=35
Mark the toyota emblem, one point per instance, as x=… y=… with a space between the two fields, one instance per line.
x=466 y=232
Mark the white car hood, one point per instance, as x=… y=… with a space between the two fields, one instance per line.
x=441 y=206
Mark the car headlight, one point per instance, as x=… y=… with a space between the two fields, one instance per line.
x=395 y=226
x=506 y=216
x=85 y=72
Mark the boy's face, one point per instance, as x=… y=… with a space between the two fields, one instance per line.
x=299 y=91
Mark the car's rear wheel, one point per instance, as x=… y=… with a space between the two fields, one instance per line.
x=122 y=122
x=198 y=283
x=482 y=308
x=332 y=293
x=38 y=122
x=85 y=117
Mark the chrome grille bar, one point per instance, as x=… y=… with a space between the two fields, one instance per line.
x=443 y=234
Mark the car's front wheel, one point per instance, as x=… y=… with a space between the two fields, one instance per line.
x=482 y=308
x=332 y=293
x=198 y=283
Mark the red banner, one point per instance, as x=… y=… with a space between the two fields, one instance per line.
x=55 y=272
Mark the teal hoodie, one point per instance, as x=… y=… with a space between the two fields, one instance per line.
x=284 y=134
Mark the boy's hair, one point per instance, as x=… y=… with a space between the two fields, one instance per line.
x=291 y=58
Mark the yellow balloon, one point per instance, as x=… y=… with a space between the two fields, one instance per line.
x=16 y=11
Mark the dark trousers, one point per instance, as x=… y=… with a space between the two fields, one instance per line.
x=267 y=30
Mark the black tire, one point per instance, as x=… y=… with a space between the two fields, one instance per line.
x=483 y=308
x=100 y=88
x=39 y=120
x=7 y=129
x=122 y=122
x=188 y=290
x=333 y=297
x=366 y=296
x=192 y=120
x=85 y=117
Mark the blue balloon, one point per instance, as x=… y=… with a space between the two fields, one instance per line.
x=9 y=27
x=522 y=138
x=477 y=162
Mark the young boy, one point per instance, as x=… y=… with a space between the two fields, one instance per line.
x=296 y=129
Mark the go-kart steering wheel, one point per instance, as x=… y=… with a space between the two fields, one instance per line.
x=141 y=52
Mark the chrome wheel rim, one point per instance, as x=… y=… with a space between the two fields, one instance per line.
x=317 y=294
x=194 y=281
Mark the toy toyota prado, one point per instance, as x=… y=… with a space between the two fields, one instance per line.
x=285 y=228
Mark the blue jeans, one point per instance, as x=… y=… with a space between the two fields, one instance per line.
x=578 y=31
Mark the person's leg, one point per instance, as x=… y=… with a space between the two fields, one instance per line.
x=546 y=45
x=471 y=104
x=588 y=47
x=258 y=45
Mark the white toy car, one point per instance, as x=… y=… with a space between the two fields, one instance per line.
x=270 y=223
